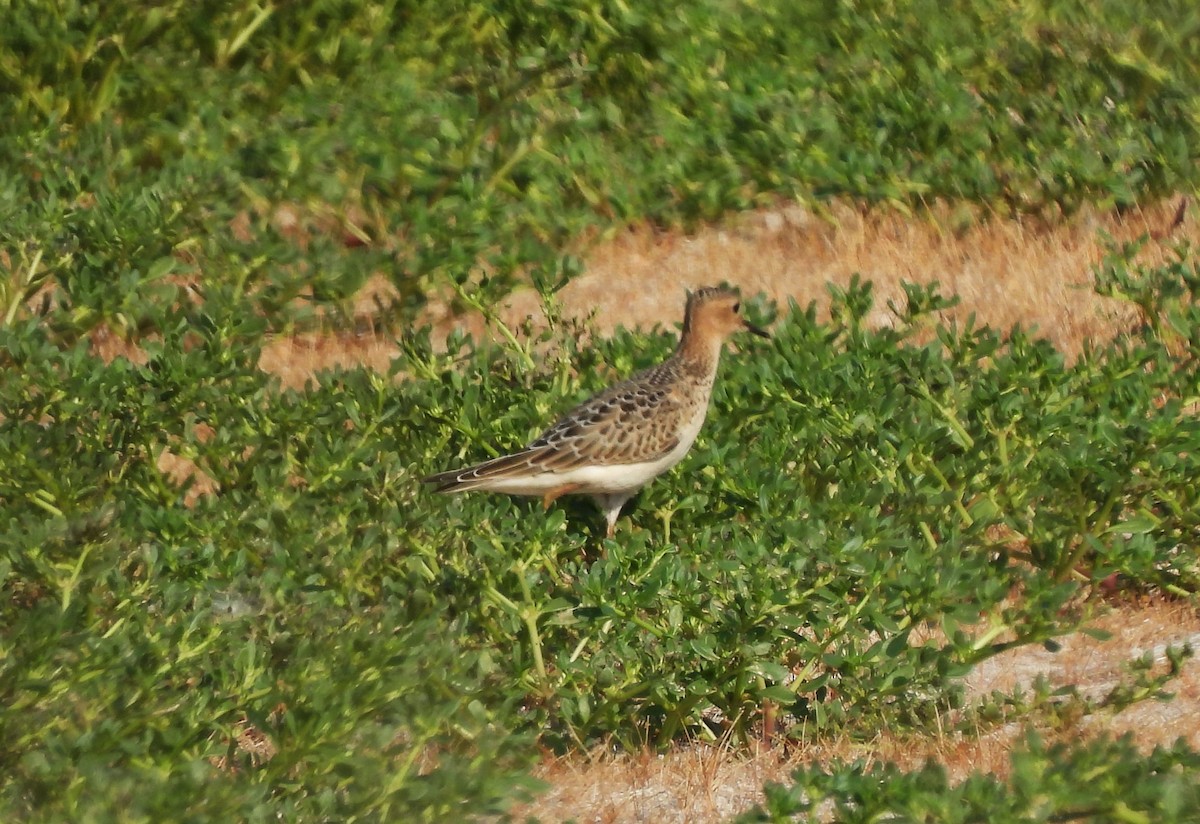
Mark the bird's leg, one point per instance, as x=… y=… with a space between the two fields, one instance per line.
x=768 y=729
x=612 y=510
x=558 y=492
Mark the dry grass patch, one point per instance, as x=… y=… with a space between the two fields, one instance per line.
x=298 y=359
x=1005 y=271
x=697 y=782
x=185 y=473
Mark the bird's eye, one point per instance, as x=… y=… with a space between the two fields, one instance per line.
x=737 y=308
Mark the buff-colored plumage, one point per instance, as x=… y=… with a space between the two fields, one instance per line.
x=612 y=445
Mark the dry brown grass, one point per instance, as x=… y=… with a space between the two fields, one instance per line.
x=298 y=358
x=1005 y=271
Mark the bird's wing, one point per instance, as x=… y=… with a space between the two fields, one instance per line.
x=633 y=422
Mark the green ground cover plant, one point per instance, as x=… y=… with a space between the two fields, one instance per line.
x=316 y=638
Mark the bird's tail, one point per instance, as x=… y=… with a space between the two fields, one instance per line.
x=482 y=475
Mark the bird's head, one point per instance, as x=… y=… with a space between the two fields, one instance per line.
x=715 y=311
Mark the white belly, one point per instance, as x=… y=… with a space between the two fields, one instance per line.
x=606 y=480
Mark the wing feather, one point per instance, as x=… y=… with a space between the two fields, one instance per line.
x=470 y=477
x=635 y=421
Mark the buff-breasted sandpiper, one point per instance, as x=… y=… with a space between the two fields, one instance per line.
x=612 y=445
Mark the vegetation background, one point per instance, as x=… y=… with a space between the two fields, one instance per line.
x=225 y=595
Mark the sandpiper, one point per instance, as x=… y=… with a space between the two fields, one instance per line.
x=612 y=445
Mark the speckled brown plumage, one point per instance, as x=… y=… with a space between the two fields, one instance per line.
x=617 y=441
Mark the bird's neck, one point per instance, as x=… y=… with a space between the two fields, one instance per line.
x=699 y=354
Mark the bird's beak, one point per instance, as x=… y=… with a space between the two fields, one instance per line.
x=754 y=330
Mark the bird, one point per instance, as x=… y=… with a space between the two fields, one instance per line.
x=613 y=444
